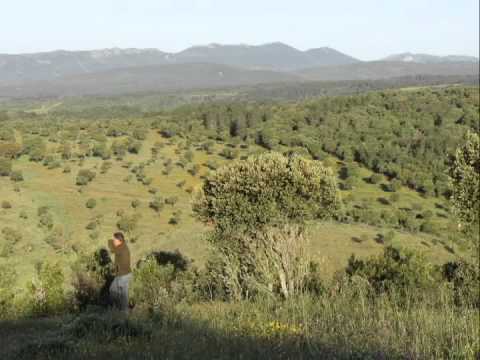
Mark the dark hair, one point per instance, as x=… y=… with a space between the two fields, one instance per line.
x=119 y=236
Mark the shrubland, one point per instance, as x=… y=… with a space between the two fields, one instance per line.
x=255 y=185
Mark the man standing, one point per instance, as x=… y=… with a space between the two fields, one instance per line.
x=123 y=272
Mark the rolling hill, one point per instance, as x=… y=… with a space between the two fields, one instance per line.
x=387 y=69
x=146 y=79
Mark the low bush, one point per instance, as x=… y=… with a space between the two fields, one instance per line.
x=91 y=203
x=163 y=279
x=465 y=278
x=5 y=166
x=6 y=205
x=16 y=176
x=84 y=177
x=396 y=269
x=157 y=204
x=92 y=277
x=46 y=292
x=135 y=203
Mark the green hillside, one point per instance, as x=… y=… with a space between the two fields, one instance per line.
x=71 y=176
x=377 y=130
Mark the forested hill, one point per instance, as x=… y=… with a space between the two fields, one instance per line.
x=407 y=134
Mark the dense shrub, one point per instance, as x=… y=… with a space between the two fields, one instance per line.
x=134 y=147
x=6 y=204
x=267 y=189
x=92 y=277
x=5 y=166
x=395 y=185
x=46 y=292
x=101 y=150
x=174 y=220
x=157 y=204
x=465 y=278
x=428 y=227
x=92 y=225
x=85 y=176
x=258 y=207
x=163 y=279
x=267 y=139
x=106 y=165
x=91 y=203
x=46 y=220
x=396 y=269
x=56 y=239
x=16 y=176
x=128 y=223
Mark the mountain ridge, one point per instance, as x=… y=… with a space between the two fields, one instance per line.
x=58 y=63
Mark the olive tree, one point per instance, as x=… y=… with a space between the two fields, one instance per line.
x=258 y=208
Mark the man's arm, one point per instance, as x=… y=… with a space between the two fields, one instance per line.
x=111 y=246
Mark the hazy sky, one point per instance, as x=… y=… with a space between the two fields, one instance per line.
x=367 y=29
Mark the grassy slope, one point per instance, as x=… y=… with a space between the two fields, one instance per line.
x=331 y=243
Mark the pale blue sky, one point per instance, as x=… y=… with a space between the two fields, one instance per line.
x=367 y=29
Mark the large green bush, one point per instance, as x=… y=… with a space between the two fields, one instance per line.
x=265 y=190
x=258 y=207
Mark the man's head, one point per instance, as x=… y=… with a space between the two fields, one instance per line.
x=118 y=239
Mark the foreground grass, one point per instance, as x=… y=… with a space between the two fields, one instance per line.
x=343 y=324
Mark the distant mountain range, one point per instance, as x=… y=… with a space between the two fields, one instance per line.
x=116 y=71
x=274 y=56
